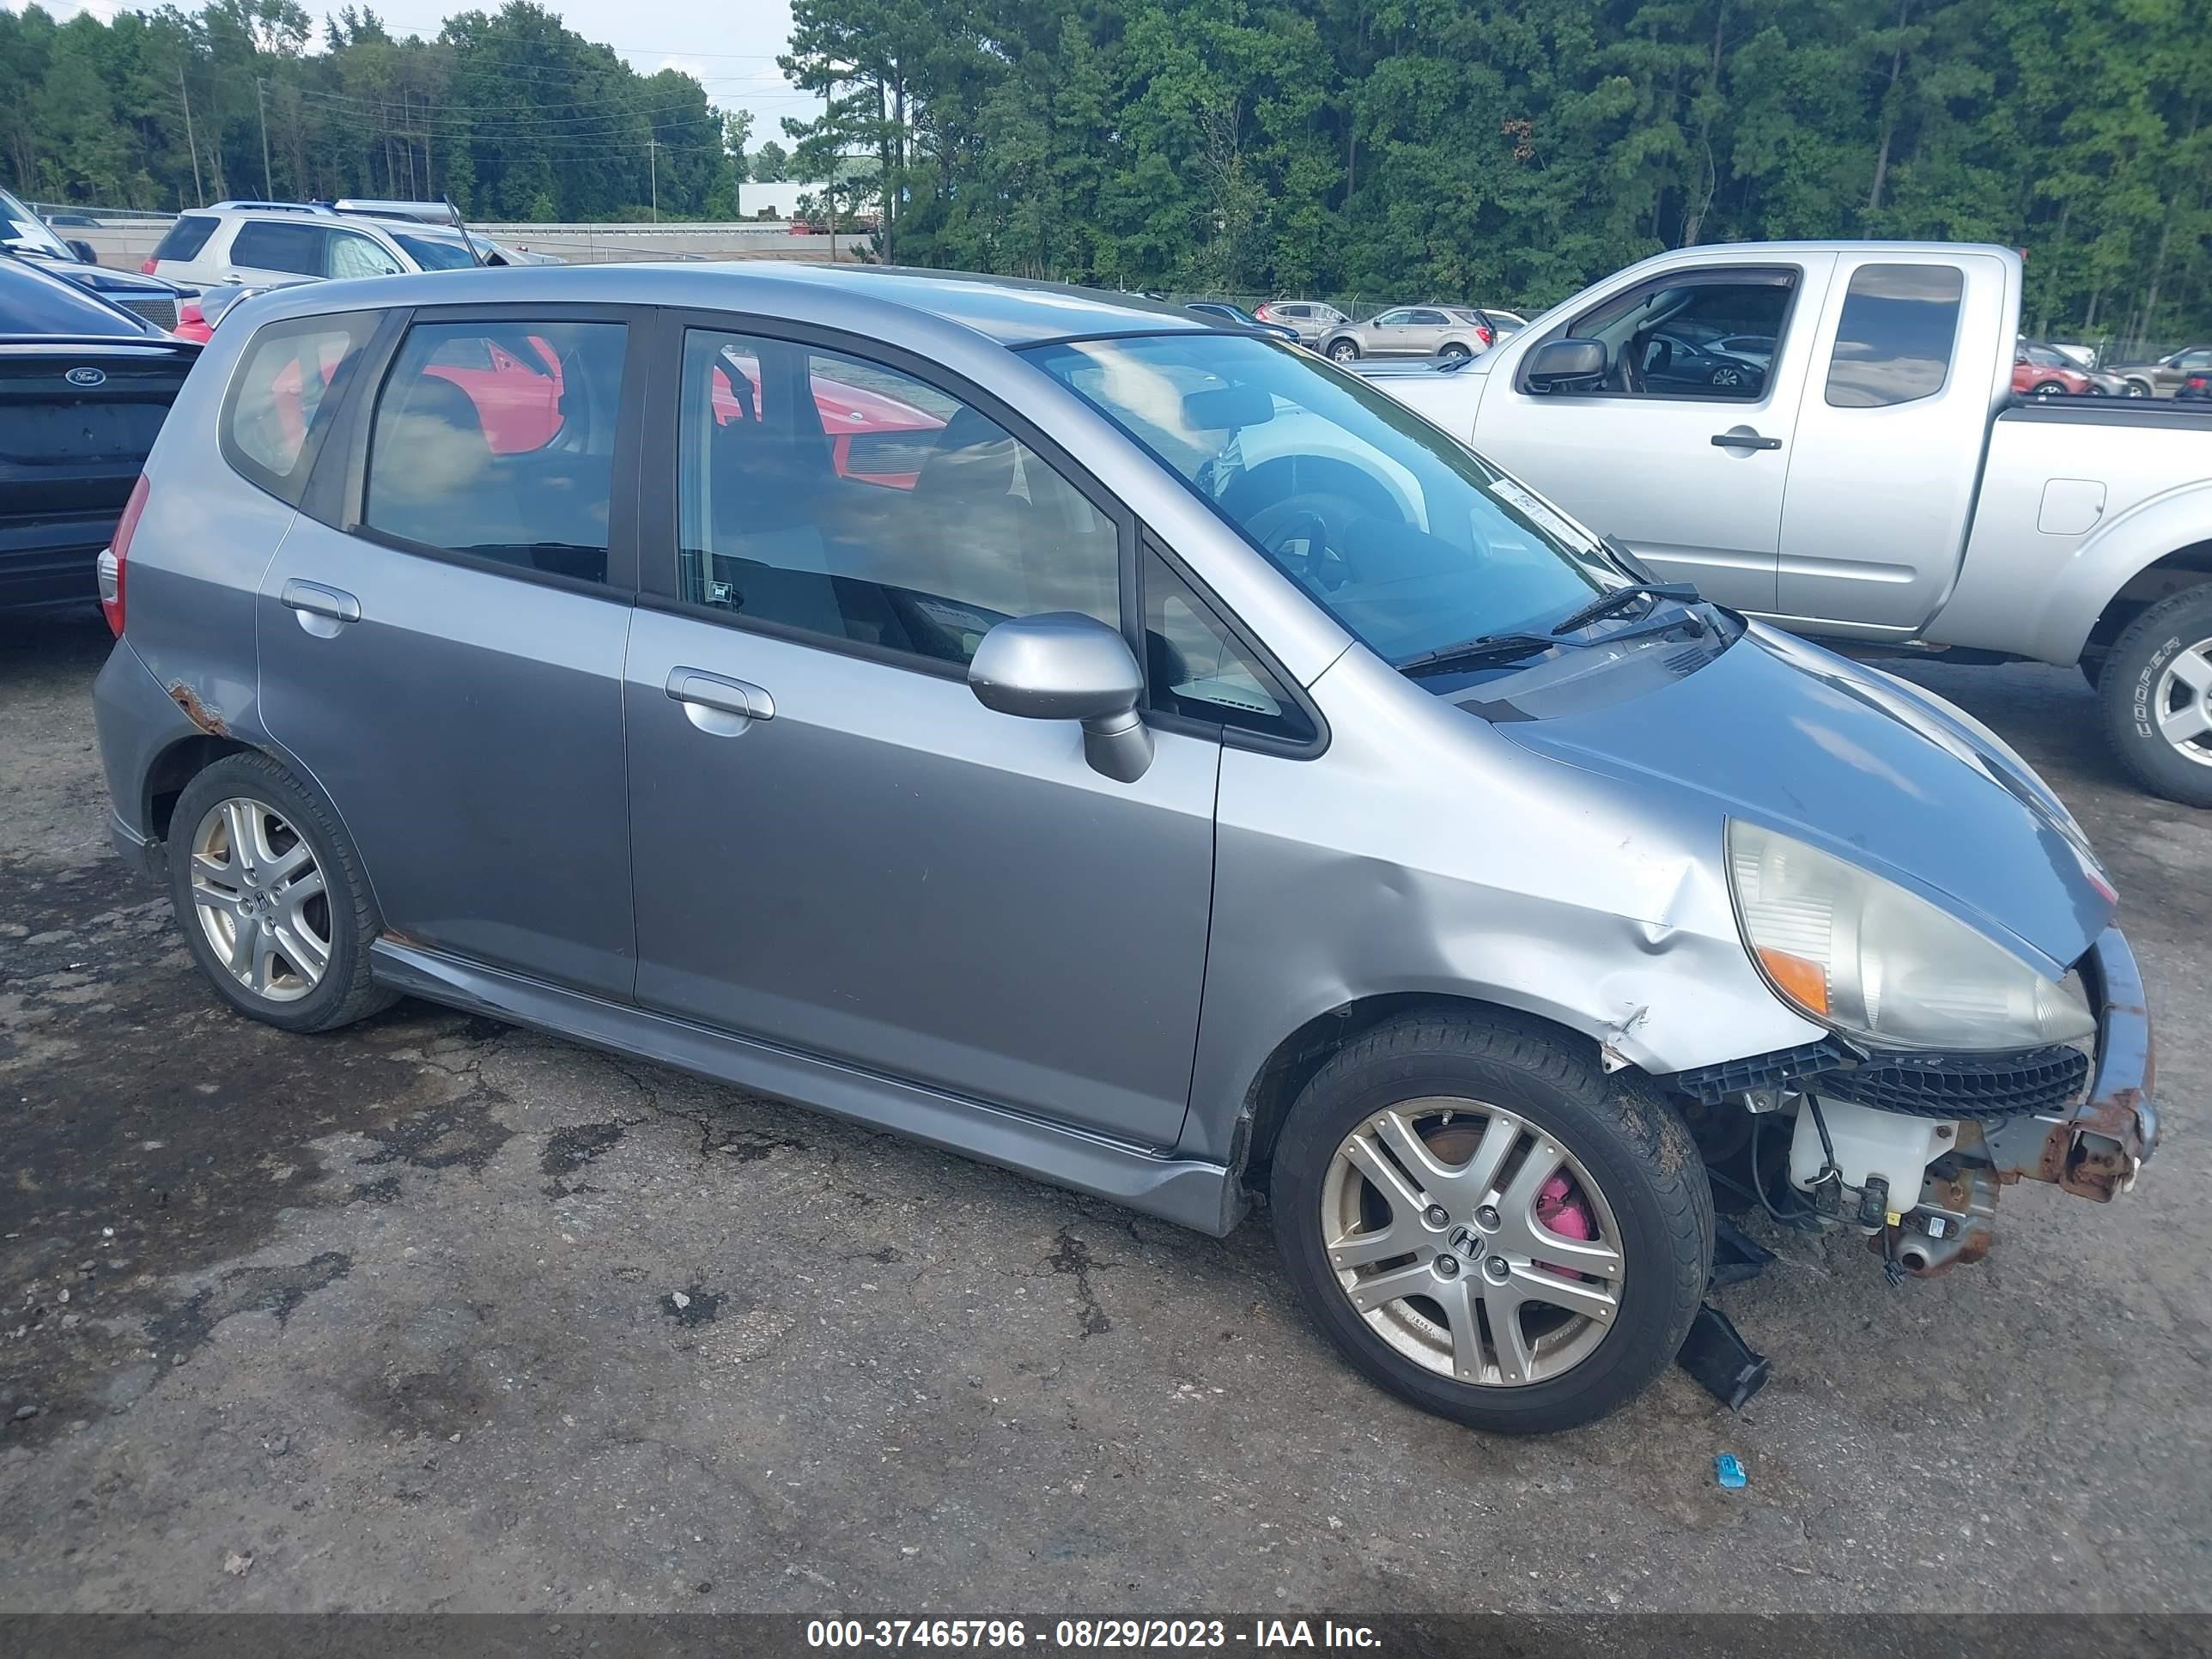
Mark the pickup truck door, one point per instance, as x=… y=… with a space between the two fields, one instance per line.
x=1690 y=475
x=1911 y=355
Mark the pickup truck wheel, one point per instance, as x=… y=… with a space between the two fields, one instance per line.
x=2157 y=694
x=1487 y=1224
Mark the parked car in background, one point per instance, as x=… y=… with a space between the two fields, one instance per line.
x=1236 y=317
x=945 y=724
x=2163 y=377
x=84 y=388
x=1408 y=331
x=259 y=246
x=1881 y=482
x=1309 y=320
x=2041 y=371
x=24 y=233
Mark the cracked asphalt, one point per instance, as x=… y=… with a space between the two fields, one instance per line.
x=436 y=1314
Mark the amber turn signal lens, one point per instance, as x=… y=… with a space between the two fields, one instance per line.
x=1805 y=983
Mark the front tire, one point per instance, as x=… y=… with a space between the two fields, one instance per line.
x=269 y=894
x=2050 y=389
x=2156 y=689
x=1343 y=351
x=1488 y=1226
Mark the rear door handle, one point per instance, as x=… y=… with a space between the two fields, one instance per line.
x=317 y=600
x=725 y=695
x=1744 y=438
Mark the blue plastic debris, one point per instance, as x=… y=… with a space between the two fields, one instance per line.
x=1730 y=1471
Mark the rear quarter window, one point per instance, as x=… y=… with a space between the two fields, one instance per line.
x=185 y=238
x=276 y=245
x=284 y=396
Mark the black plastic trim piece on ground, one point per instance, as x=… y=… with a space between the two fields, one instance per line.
x=1728 y=1368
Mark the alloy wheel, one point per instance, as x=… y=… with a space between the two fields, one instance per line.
x=260 y=900
x=2181 y=703
x=1472 y=1241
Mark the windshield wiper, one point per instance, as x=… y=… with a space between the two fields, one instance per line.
x=1605 y=605
x=1483 y=647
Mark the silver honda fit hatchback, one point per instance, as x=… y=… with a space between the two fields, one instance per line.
x=1124 y=750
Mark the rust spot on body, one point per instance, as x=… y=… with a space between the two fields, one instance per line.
x=207 y=720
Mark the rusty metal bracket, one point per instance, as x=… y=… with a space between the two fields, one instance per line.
x=2096 y=1149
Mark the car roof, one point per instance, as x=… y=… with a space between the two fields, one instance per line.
x=1013 y=312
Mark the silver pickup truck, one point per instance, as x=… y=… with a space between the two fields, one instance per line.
x=1826 y=435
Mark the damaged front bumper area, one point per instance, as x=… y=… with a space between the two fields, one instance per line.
x=1914 y=1149
x=2095 y=1150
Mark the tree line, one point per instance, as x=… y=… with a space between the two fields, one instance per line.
x=1508 y=151
x=509 y=114
x=1497 y=151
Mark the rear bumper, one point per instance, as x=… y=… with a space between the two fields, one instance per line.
x=138 y=722
x=2094 y=1150
x=47 y=559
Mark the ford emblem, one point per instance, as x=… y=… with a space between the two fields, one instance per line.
x=87 y=376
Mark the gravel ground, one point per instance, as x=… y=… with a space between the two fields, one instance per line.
x=435 y=1314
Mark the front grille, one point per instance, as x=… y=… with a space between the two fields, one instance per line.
x=1964 y=1086
x=1918 y=1085
x=162 y=313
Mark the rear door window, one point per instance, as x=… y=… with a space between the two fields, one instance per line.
x=282 y=398
x=185 y=238
x=496 y=440
x=276 y=245
x=1894 y=339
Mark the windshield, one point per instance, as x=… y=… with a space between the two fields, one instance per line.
x=22 y=228
x=1407 y=537
x=433 y=253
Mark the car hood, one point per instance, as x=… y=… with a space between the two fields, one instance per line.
x=1867 y=767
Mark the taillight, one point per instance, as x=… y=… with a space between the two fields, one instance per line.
x=146 y=267
x=192 y=323
x=1482 y=332
x=115 y=558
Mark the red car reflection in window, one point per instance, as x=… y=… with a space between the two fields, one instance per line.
x=866 y=429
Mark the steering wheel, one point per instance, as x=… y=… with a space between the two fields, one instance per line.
x=1304 y=535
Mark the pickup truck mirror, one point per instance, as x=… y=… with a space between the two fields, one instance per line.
x=1565 y=364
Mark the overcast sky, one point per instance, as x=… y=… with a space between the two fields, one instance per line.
x=731 y=48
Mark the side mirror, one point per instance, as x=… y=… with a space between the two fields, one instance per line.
x=1063 y=666
x=84 y=250
x=1565 y=365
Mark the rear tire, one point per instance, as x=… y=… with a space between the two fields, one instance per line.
x=245 y=841
x=1630 y=1164
x=2050 y=389
x=1453 y=354
x=2156 y=690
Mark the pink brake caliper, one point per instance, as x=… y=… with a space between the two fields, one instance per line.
x=1562 y=1209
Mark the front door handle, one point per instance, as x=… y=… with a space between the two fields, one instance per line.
x=1743 y=437
x=322 y=610
x=697 y=689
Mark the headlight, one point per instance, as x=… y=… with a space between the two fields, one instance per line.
x=1876 y=962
